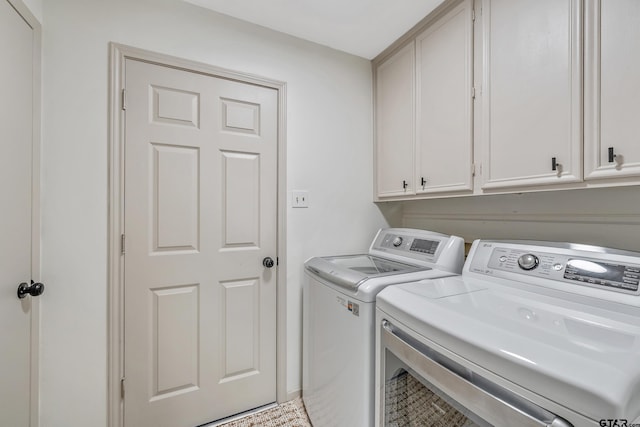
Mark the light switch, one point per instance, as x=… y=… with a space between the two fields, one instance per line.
x=300 y=199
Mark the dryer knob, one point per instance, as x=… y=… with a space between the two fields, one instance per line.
x=397 y=241
x=528 y=261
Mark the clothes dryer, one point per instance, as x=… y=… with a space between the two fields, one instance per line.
x=531 y=334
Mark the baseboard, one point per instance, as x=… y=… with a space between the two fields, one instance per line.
x=293 y=395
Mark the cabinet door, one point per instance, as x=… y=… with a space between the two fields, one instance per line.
x=612 y=89
x=444 y=79
x=395 y=118
x=532 y=92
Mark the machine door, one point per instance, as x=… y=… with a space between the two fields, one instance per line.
x=422 y=387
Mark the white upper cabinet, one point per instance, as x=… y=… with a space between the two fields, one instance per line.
x=395 y=124
x=444 y=84
x=531 y=93
x=612 y=89
x=498 y=96
x=424 y=111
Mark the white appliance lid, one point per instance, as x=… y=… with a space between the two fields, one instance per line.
x=582 y=356
x=350 y=271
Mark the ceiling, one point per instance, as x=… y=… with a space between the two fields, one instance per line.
x=360 y=27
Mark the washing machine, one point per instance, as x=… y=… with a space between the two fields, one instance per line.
x=531 y=334
x=339 y=313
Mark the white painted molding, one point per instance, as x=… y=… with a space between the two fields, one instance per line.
x=293 y=395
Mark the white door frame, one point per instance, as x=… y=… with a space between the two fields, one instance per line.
x=32 y=21
x=118 y=54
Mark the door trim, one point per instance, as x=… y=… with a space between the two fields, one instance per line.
x=34 y=399
x=118 y=53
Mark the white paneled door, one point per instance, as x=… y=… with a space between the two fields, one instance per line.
x=200 y=224
x=16 y=142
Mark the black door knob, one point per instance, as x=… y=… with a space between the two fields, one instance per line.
x=268 y=262
x=33 y=289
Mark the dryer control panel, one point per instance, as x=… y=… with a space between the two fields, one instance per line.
x=558 y=265
x=585 y=270
x=603 y=273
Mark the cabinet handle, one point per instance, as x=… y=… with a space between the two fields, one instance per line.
x=404 y=184
x=555 y=166
x=423 y=181
x=612 y=155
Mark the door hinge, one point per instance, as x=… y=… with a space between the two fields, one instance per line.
x=473 y=92
x=124 y=100
x=122 y=244
x=122 y=388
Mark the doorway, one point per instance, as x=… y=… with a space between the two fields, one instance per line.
x=196 y=177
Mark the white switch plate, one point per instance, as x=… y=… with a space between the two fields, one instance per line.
x=300 y=199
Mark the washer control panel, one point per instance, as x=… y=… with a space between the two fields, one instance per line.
x=420 y=247
x=424 y=246
x=410 y=244
x=578 y=268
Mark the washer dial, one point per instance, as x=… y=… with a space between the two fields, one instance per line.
x=397 y=241
x=528 y=261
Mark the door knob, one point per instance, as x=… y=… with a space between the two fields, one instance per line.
x=33 y=289
x=268 y=262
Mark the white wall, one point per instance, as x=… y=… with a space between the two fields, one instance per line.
x=602 y=217
x=329 y=134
